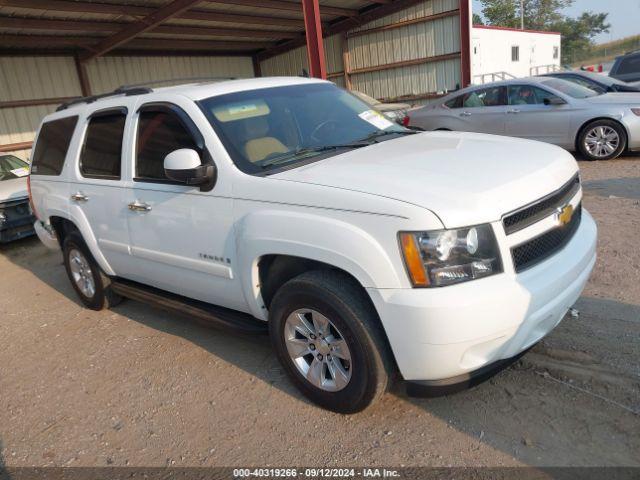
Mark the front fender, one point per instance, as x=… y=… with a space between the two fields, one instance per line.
x=331 y=241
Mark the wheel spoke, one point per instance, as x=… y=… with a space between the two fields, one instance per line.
x=338 y=374
x=321 y=323
x=298 y=347
x=314 y=374
x=340 y=350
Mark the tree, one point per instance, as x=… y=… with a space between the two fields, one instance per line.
x=577 y=33
x=477 y=19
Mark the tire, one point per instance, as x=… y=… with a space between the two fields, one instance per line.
x=79 y=262
x=602 y=140
x=337 y=297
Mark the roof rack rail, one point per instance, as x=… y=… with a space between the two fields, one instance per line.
x=180 y=81
x=124 y=90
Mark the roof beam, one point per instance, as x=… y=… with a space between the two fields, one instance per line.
x=140 y=44
x=110 y=27
x=139 y=11
x=136 y=28
x=365 y=15
x=287 y=6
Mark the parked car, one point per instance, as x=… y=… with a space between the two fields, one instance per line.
x=395 y=111
x=595 y=81
x=16 y=219
x=627 y=67
x=363 y=247
x=552 y=110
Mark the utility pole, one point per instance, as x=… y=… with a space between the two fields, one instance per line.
x=521 y=14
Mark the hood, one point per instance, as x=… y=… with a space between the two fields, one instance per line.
x=619 y=98
x=390 y=107
x=13 y=189
x=464 y=178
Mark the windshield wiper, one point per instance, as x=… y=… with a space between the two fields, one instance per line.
x=285 y=157
x=384 y=133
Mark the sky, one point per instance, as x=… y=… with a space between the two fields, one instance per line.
x=624 y=16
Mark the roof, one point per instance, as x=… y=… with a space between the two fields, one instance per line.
x=193 y=27
x=508 y=29
x=194 y=91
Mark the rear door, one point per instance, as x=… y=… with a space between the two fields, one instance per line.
x=182 y=239
x=98 y=182
x=529 y=116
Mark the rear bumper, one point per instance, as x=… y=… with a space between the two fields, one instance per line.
x=440 y=334
x=46 y=235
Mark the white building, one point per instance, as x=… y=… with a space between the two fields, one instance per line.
x=500 y=53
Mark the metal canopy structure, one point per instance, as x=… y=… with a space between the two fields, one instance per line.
x=260 y=28
x=388 y=48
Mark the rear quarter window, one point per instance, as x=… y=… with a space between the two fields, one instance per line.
x=52 y=146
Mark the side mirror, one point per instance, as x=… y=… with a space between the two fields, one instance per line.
x=185 y=166
x=554 y=101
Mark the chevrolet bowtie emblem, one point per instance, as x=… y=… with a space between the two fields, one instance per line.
x=564 y=214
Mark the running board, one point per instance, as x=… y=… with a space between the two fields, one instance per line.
x=219 y=317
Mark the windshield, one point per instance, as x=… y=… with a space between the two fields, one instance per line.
x=571 y=89
x=272 y=128
x=366 y=98
x=12 y=167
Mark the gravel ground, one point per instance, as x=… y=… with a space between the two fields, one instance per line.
x=136 y=386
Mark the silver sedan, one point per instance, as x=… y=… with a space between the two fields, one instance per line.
x=600 y=126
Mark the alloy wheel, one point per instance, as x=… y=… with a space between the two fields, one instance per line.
x=81 y=273
x=602 y=141
x=318 y=350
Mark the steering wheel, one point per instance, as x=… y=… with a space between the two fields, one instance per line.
x=335 y=126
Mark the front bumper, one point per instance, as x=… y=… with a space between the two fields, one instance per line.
x=16 y=229
x=439 y=334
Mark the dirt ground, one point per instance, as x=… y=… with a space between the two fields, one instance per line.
x=136 y=386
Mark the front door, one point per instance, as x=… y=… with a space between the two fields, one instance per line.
x=529 y=116
x=483 y=111
x=181 y=238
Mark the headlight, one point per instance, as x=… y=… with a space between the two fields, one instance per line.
x=3 y=217
x=443 y=257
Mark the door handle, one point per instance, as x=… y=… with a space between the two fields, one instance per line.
x=515 y=110
x=139 y=206
x=79 y=197
x=465 y=114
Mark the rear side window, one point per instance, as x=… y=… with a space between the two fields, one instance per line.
x=102 y=149
x=52 y=146
x=159 y=134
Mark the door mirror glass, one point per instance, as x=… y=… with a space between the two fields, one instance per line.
x=185 y=166
x=554 y=101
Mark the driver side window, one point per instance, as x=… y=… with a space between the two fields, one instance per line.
x=160 y=132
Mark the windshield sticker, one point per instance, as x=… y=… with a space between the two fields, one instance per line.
x=241 y=111
x=20 y=172
x=376 y=119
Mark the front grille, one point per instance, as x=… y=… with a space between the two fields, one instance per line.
x=542 y=247
x=530 y=214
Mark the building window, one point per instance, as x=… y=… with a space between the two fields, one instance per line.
x=556 y=53
x=515 y=53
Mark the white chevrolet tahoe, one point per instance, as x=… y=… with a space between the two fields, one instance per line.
x=288 y=205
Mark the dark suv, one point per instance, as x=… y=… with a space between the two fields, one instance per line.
x=627 y=67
